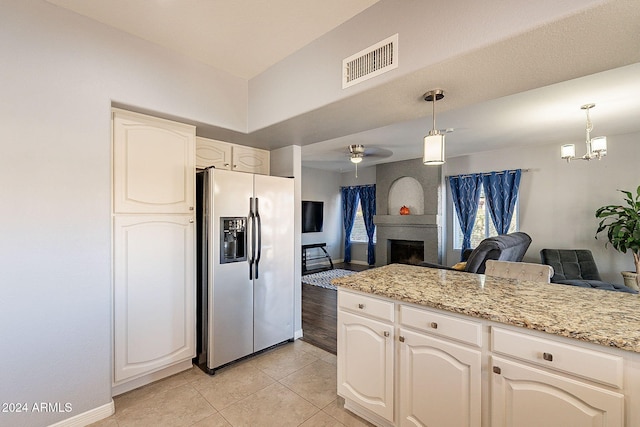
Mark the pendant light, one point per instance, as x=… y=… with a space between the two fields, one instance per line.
x=433 y=153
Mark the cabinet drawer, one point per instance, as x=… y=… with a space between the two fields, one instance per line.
x=365 y=305
x=442 y=325
x=593 y=365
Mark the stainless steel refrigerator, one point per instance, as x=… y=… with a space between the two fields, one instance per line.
x=246 y=270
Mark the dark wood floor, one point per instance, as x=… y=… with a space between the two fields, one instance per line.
x=319 y=313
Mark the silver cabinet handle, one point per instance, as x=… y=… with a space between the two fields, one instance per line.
x=386 y=333
x=548 y=357
x=434 y=325
x=360 y=306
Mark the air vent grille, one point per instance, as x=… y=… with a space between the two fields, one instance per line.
x=370 y=62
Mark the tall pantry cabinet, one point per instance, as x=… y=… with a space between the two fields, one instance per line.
x=153 y=248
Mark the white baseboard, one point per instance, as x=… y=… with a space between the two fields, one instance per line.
x=359 y=262
x=89 y=417
x=297 y=334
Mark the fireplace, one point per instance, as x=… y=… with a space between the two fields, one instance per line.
x=409 y=183
x=406 y=251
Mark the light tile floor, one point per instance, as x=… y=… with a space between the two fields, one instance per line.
x=291 y=385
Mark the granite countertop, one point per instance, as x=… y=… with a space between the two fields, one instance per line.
x=597 y=316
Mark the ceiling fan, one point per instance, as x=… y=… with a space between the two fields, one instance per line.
x=357 y=152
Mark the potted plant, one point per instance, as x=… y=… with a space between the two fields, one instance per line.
x=622 y=224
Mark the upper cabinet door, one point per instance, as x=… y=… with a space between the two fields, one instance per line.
x=210 y=152
x=154 y=164
x=253 y=160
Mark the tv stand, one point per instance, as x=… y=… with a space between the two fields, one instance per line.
x=324 y=256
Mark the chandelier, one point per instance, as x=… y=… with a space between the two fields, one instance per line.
x=596 y=147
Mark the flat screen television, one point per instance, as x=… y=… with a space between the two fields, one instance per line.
x=312 y=216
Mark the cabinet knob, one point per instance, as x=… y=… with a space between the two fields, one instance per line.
x=497 y=370
x=360 y=306
x=434 y=325
x=548 y=357
x=401 y=338
x=226 y=164
x=190 y=208
x=191 y=220
x=386 y=334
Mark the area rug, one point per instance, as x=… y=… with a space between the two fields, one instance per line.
x=323 y=278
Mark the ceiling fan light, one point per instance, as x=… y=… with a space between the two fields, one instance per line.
x=356 y=159
x=433 y=149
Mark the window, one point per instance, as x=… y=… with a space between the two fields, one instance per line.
x=359 y=231
x=483 y=227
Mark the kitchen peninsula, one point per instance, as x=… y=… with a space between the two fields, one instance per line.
x=422 y=346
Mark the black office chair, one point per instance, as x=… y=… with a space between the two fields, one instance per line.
x=576 y=267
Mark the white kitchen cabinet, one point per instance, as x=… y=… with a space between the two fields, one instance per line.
x=227 y=156
x=154 y=293
x=247 y=159
x=210 y=152
x=524 y=396
x=153 y=164
x=453 y=370
x=366 y=357
x=440 y=382
x=153 y=248
x=563 y=385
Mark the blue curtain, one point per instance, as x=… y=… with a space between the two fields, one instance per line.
x=349 y=208
x=501 y=193
x=465 y=192
x=368 y=203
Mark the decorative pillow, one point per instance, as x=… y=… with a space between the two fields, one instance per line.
x=460 y=266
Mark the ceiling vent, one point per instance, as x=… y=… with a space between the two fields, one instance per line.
x=370 y=62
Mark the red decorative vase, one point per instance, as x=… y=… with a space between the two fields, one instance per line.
x=404 y=210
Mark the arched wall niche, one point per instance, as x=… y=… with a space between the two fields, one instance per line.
x=406 y=191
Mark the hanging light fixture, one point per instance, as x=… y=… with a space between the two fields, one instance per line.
x=596 y=147
x=433 y=153
x=357 y=153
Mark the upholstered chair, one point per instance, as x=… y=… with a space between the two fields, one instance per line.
x=519 y=270
x=506 y=247
x=576 y=267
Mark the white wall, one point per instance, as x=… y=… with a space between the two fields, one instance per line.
x=60 y=73
x=558 y=200
x=324 y=186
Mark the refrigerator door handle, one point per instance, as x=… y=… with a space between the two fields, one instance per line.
x=259 y=232
x=252 y=238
